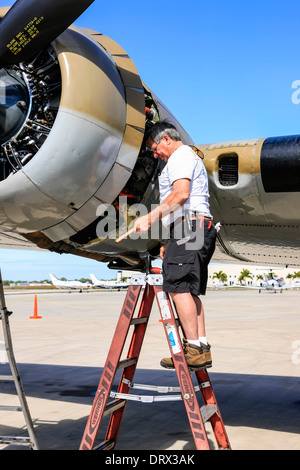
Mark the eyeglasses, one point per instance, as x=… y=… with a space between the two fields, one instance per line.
x=153 y=149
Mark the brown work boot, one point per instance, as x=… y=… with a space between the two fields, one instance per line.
x=194 y=355
x=167 y=363
x=206 y=350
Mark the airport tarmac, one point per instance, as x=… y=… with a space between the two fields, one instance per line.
x=255 y=342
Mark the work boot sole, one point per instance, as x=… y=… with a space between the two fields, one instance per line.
x=167 y=365
x=192 y=368
x=206 y=366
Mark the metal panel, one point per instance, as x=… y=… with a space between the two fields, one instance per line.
x=85 y=215
x=59 y=232
x=25 y=208
x=113 y=184
x=130 y=147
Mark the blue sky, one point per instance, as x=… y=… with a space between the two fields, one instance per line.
x=225 y=70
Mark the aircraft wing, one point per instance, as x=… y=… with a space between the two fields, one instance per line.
x=285 y=287
x=74 y=164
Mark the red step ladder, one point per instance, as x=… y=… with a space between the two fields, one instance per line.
x=102 y=407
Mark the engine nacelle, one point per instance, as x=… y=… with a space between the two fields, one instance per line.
x=73 y=123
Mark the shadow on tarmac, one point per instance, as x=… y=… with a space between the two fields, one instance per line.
x=258 y=401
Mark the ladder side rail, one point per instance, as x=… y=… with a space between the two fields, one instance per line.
x=216 y=419
x=182 y=370
x=110 y=368
x=133 y=352
x=4 y=316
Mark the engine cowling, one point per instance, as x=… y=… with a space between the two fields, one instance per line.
x=74 y=144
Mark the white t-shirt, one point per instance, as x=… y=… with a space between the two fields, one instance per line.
x=185 y=163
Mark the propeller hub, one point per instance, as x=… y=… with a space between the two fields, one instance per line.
x=14 y=103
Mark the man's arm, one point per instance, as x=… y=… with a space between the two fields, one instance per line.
x=178 y=196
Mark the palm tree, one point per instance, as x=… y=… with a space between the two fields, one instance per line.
x=296 y=274
x=221 y=276
x=245 y=273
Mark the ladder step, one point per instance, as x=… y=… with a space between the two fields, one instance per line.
x=114 y=406
x=138 y=321
x=105 y=445
x=10 y=408
x=6 y=377
x=21 y=441
x=161 y=388
x=207 y=411
x=127 y=363
x=144 y=398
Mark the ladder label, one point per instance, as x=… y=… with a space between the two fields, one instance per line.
x=164 y=305
x=97 y=411
x=173 y=338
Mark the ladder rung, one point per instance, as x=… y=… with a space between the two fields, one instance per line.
x=10 y=408
x=145 y=398
x=161 y=388
x=105 y=445
x=208 y=410
x=127 y=363
x=6 y=377
x=22 y=441
x=137 y=321
x=113 y=406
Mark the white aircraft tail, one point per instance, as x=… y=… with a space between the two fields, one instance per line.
x=94 y=279
x=53 y=278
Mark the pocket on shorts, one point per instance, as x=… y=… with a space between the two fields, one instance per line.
x=179 y=267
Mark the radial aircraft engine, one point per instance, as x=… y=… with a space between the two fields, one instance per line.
x=74 y=112
x=74 y=167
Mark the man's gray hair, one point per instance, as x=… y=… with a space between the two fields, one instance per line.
x=160 y=129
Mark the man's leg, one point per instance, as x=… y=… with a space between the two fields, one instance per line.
x=200 y=316
x=201 y=331
x=186 y=308
x=191 y=314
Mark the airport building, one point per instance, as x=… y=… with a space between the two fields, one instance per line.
x=233 y=273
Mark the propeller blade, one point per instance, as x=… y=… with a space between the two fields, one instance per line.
x=30 y=25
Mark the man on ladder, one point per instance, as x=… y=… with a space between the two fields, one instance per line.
x=184 y=207
x=184 y=200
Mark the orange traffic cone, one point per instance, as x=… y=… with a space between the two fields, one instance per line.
x=35 y=314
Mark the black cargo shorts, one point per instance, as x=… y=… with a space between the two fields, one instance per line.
x=185 y=268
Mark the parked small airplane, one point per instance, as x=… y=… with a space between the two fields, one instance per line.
x=70 y=285
x=271 y=283
x=110 y=284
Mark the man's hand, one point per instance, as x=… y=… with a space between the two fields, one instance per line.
x=142 y=224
